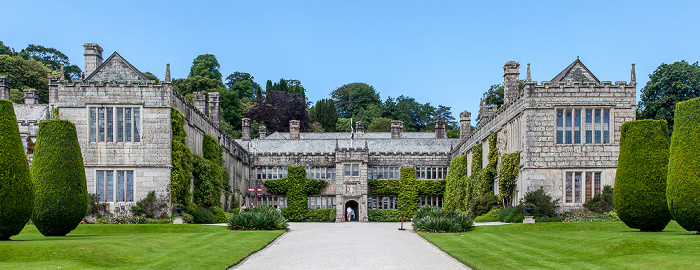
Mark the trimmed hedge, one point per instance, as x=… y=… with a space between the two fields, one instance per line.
x=16 y=188
x=385 y=215
x=61 y=196
x=640 y=183
x=683 y=187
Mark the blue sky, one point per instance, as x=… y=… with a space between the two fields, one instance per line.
x=442 y=52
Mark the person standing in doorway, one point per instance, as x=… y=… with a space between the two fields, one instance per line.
x=349 y=213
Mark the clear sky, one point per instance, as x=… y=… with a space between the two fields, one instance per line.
x=442 y=52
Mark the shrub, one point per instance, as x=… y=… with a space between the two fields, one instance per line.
x=202 y=215
x=207 y=182
x=219 y=214
x=95 y=208
x=612 y=215
x=435 y=219
x=683 y=186
x=505 y=213
x=320 y=215
x=159 y=221
x=491 y=216
x=16 y=188
x=583 y=215
x=601 y=203
x=384 y=215
x=122 y=220
x=483 y=205
x=261 y=217
x=61 y=196
x=187 y=218
x=544 y=205
x=640 y=182
x=516 y=215
x=151 y=207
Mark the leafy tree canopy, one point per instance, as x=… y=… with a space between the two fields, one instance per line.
x=278 y=108
x=6 y=49
x=325 y=114
x=196 y=83
x=347 y=105
x=230 y=106
x=380 y=124
x=205 y=65
x=53 y=59
x=26 y=74
x=286 y=86
x=243 y=84
x=668 y=85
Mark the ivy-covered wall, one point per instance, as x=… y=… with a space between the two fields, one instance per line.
x=456 y=184
x=461 y=190
x=297 y=187
x=510 y=165
x=181 y=173
x=407 y=189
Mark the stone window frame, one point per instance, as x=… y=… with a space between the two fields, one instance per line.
x=568 y=126
x=382 y=202
x=431 y=172
x=594 y=177
x=432 y=200
x=351 y=170
x=273 y=200
x=321 y=202
x=100 y=134
x=383 y=173
x=129 y=190
x=325 y=173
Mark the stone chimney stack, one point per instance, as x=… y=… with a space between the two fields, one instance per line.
x=511 y=84
x=396 y=129
x=440 y=129
x=214 y=108
x=93 y=58
x=294 y=129
x=4 y=88
x=359 y=127
x=200 y=101
x=465 y=126
x=31 y=96
x=245 y=125
x=262 y=130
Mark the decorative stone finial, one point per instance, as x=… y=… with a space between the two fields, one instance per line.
x=633 y=76
x=529 y=77
x=62 y=74
x=167 y=72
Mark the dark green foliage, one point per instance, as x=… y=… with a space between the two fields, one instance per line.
x=230 y=105
x=52 y=58
x=510 y=165
x=669 y=84
x=456 y=184
x=640 y=182
x=205 y=65
x=516 y=214
x=297 y=187
x=150 y=207
x=207 y=182
x=380 y=124
x=261 y=217
x=16 y=188
x=544 y=205
x=96 y=208
x=219 y=214
x=181 y=172
x=61 y=196
x=384 y=215
x=491 y=216
x=320 y=215
x=26 y=74
x=601 y=203
x=407 y=200
x=505 y=213
x=393 y=187
x=202 y=215
x=683 y=186
x=483 y=205
x=195 y=84
x=435 y=219
x=325 y=114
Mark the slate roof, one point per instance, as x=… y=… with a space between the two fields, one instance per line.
x=31 y=112
x=346 y=135
x=116 y=68
x=382 y=145
x=562 y=75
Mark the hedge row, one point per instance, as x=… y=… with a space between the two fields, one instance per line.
x=384 y=215
x=683 y=186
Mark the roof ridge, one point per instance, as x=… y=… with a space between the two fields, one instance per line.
x=109 y=59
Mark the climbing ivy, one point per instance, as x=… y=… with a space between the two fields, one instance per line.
x=510 y=165
x=181 y=173
x=296 y=187
x=456 y=185
x=460 y=189
x=382 y=187
x=407 y=200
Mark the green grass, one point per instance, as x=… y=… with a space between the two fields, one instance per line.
x=147 y=246
x=575 y=245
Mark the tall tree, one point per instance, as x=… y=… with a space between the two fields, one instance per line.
x=53 y=58
x=243 y=83
x=26 y=74
x=230 y=105
x=278 y=108
x=346 y=105
x=324 y=112
x=668 y=85
x=6 y=49
x=207 y=66
x=196 y=83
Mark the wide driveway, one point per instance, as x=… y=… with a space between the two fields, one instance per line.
x=350 y=245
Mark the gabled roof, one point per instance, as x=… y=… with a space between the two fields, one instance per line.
x=116 y=68
x=577 y=72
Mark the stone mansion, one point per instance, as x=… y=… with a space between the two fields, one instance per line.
x=567 y=131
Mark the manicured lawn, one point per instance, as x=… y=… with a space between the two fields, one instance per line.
x=576 y=245
x=147 y=246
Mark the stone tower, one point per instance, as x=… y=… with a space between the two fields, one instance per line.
x=93 y=58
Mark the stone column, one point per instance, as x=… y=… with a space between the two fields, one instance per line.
x=511 y=85
x=359 y=127
x=294 y=129
x=93 y=58
x=4 y=88
x=245 y=124
x=214 y=108
x=396 y=129
x=440 y=129
x=262 y=130
x=30 y=96
x=465 y=127
x=200 y=101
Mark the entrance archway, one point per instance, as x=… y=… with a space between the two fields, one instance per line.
x=355 y=208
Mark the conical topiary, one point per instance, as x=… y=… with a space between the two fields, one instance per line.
x=640 y=183
x=59 y=179
x=16 y=190
x=683 y=187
